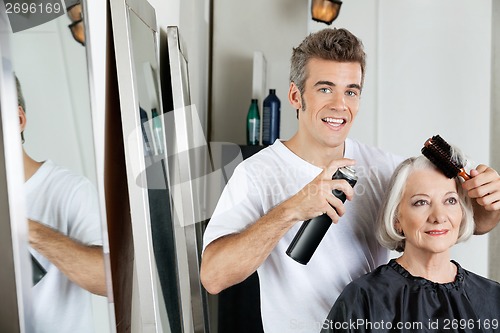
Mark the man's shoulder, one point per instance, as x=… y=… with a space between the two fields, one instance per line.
x=271 y=156
x=370 y=155
x=368 y=149
x=54 y=175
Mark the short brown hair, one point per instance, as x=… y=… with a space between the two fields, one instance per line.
x=20 y=97
x=328 y=44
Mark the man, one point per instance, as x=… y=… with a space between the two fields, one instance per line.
x=65 y=237
x=290 y=181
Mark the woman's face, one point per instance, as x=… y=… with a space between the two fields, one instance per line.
x=429 y=213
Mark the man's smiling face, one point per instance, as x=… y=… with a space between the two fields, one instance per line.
x=330 y=101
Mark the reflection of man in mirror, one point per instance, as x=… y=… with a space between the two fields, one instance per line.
x=77 y=26
x=65 y=237
x=291 y=181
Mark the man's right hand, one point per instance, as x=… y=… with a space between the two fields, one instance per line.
x=316 y=198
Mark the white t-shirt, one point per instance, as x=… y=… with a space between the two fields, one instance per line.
x=296 y=297
x=66 y=202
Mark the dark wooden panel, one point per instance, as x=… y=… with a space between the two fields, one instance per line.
x=121 y=244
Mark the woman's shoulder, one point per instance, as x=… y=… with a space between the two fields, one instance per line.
x=473 y=280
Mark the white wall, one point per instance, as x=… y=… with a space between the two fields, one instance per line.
x=55 y=88
x=426 y=79
x=495 y=133
x=434 y=78
x=192 y=17
x=360 y=17
x=428 y=72
x=240 y=28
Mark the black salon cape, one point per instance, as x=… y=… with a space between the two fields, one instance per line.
x=390 y=299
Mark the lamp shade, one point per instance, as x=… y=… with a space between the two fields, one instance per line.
x=325 y=11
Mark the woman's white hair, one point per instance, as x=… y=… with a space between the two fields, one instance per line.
x=386 y=231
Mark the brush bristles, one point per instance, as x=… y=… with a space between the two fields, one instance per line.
x=438 y=151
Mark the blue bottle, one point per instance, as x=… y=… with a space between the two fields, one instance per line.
x=271 y=118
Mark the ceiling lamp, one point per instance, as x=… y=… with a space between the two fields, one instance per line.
x=325 y=11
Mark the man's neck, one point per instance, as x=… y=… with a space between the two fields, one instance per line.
x=315 y=154
x=30 y=166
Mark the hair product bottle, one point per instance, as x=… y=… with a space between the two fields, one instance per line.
x=253 y=124
x=311 y=232
x=271 y=118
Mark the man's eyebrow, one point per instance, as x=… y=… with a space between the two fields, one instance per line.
x=331 y=84
x=326 y=83
x=354 y=86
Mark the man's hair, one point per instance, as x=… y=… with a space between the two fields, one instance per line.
x=387 y=234
x=328 y=44
x=20 y=97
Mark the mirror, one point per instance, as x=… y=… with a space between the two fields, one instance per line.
x=407 y=64
x=189 y=173
x=161 y=132
x=51 y=64
x=156 y=292
x=15 y=275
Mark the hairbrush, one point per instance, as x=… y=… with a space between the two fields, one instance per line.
x=439 y=152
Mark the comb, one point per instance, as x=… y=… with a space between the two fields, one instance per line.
x=438 y=151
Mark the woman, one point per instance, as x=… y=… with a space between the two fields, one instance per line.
x=424 y=215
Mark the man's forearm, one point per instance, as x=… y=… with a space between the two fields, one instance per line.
x=82 y=264
x=232 y=258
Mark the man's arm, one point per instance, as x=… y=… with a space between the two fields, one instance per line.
x=232 y=258
x=82 y=264
x=484 y=189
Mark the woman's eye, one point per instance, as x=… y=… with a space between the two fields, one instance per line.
x=420 y=203
x=452 y=201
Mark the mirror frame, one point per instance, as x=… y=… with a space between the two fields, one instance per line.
x=188 y=170
x=147 y=290
x=15 y=276
x=16 y=316
x=17 y=280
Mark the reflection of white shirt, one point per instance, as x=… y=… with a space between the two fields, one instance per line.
x=294 y=297
x=66 y=202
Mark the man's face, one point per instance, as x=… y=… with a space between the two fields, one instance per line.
x=331 y=98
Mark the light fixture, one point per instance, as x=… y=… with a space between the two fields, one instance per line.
x=325 y=11
x=77 y=27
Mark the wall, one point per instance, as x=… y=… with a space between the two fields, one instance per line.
x=494 y=249
x=59 y=124
x=435 y=79
x=240 y=28
x=360 y=17
x=193 y=18
x=421 y=80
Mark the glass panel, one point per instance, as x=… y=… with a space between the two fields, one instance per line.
x=52 y=69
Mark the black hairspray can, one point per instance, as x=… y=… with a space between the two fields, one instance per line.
x=312 y=231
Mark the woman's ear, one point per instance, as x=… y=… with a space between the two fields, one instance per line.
x=294 y=96
x=398 y=228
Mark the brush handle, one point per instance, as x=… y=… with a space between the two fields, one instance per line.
x=464 y=175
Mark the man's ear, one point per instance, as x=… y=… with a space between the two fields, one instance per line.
x=294 y=96
x=22 y=118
